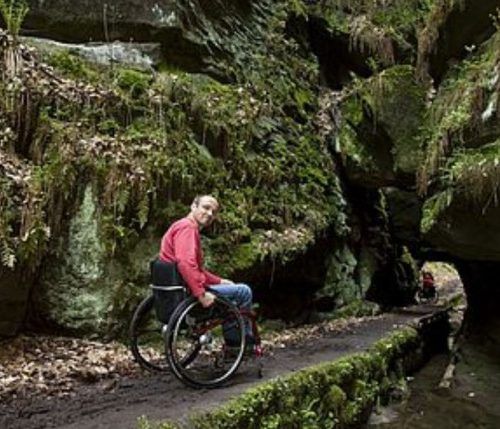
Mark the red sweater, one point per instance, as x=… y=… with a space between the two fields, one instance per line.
x=181 y=244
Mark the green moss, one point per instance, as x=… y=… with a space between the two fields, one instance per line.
x=389 y=105
x=77 y=299
x=407 y=260
x=132 y=81
x=239 y=258
x=147 y=143
x=356 y=151
x=471 y=175
x=366 y=268
x=474 y=174
x=71 y=65
x=340 y=279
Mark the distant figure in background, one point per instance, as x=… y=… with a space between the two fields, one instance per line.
x=428 y=280
x=181 y=244
x=427 y=293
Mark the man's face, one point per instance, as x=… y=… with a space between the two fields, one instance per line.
x=204 y=213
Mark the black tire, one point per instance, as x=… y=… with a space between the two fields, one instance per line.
x=146 y=334
x=435 y=298
x=422 y=298
x=195 y=345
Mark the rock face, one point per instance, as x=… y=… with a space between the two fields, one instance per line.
x=465 y=25
x=459 y=234
x=461 y=168
x=326 y=190
x=405 y=211
x=187 y=30
x=118 y=154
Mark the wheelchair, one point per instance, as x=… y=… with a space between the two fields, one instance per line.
x=203 y=347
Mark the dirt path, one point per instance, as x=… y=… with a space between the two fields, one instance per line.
x=118 y=404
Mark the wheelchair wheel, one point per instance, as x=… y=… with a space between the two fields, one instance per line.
x=147 y=342
x=195 y=346
x=424 y=297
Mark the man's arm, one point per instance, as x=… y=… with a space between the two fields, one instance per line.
x=212 y=279
x=185 y=249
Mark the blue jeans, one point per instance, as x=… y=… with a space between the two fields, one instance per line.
x=241 y=295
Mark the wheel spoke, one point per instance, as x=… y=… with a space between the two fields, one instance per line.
x=199 y=355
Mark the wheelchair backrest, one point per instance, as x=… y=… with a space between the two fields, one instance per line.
x=168 y=288
x=165 y=274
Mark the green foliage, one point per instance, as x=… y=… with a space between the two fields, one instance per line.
x=376 y=27
x=467 y=101
x=71 y=65
x=13 y=13
x=77 y=299
x=428 y=34
x=340 y=281
x=433 y=208
x=462 y=156
x=134 y=82
x=473 y=175
x=153 y=141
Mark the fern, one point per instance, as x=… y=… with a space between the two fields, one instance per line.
x=13 y=13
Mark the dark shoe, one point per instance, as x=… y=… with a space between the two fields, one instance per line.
x=232 y=352
x=249 y=341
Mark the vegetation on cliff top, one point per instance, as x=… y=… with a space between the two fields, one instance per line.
x=460 y=135
x=385 y=30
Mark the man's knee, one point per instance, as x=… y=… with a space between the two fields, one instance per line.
x=246 y=291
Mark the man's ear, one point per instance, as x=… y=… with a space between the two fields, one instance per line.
x=193 y=206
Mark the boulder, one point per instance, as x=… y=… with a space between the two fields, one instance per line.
x=465 y=232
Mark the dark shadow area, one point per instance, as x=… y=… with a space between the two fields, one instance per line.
x=469 y=24
x=337 y=61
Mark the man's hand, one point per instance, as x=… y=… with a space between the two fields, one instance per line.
x=226 y=282
x=207 y=299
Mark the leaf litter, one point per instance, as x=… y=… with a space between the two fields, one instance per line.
x=57 y=366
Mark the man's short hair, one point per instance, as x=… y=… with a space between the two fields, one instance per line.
x=198 y=198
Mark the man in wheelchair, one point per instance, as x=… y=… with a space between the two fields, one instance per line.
x=181 y=245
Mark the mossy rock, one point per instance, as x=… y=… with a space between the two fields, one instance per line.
x=382 y=120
